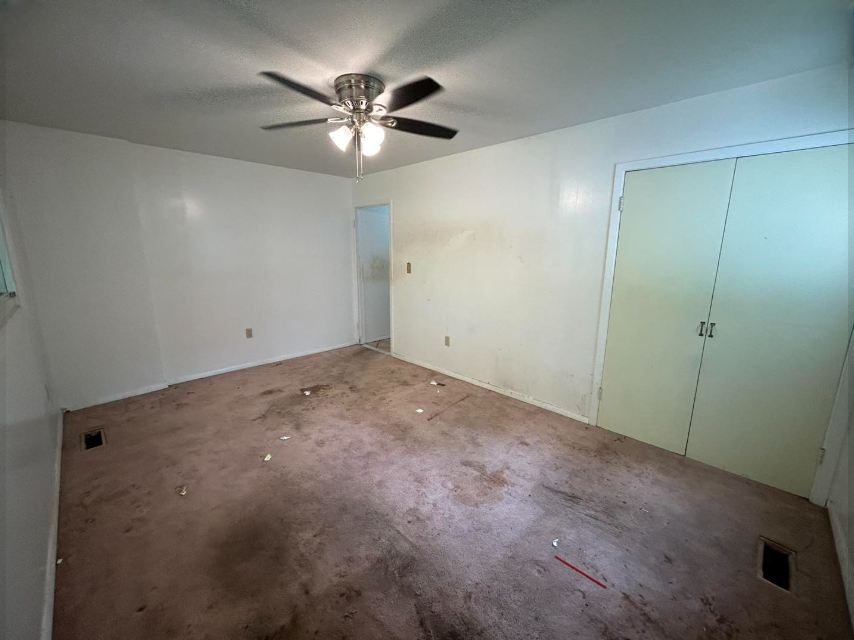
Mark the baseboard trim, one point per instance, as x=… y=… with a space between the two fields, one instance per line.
x=486 y=385
x=52 y=541
x=842 y=554
x=121 y=396
x=257 y=363
x=207 y=374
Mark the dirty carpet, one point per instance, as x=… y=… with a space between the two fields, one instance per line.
x=374 y=521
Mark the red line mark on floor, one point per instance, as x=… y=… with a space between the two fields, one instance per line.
x=591 y=578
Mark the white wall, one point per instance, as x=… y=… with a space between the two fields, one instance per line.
x=507 y=243
x=232 y=245
x=149 y=264
x=30 y=439
x=372 y=232
x=82 y=238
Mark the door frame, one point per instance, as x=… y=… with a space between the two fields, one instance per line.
x=359 y=306
x=829 y=139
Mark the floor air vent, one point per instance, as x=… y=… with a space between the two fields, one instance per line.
x=776 y=564
x=93 y=439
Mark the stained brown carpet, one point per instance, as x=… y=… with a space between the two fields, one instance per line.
x=374 y=521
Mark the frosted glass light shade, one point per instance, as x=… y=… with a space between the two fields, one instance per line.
x=341 y=137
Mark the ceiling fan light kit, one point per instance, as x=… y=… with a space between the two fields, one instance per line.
x=365 y=120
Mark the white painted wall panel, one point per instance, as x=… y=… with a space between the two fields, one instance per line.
x=148 y=264
x=31 y=436
x=81 y=235
x=232 y=245
x=30 y=439
x=507 y=243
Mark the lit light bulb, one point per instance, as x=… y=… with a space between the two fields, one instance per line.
x=341 y=137
x=370 y=149
x=373 y=134
x=372 y=138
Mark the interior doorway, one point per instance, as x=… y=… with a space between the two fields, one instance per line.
x=373 y=246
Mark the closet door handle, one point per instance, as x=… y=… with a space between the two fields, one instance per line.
x=702 y=329
x=711 y=329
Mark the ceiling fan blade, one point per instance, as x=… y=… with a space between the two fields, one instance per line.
x=298 y=123
x=296 y=86
x=409 y=94
x=419 y=127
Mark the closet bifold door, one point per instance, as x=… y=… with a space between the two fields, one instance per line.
x=779 y=321
x=667 y=251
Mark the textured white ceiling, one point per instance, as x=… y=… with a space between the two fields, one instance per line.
x=182 y=73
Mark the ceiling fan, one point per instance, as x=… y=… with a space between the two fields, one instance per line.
x=365 y=120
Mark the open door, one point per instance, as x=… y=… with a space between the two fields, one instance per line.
x=372 y=249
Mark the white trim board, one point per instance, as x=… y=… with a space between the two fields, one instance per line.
x=486 y=385
x=844 y=559
x=360 y=287
x=46 y=632
x=354 y=276
x=829 y=139
x=256 y=363
x=207 y=374
x=140 y=391
x=834 y=438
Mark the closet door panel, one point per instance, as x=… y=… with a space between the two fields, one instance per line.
x=780 y=315
x=668 y=247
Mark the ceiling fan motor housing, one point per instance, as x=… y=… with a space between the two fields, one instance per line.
x=357 y=91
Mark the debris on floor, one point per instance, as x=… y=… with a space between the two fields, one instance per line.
x=182 y=491
x=59 y=561
x=437 y=384
x=285 y=437
x=267 y=458
x=554 y=542
x=313 y=389
x=419 y=411
x=574 y=568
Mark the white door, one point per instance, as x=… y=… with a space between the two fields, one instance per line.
x=667 y=251
x=780 y=319
x=372 y=244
